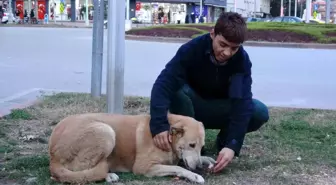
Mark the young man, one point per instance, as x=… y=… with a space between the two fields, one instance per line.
x=209 y=79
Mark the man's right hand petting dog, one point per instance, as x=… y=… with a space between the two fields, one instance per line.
x=92 y=147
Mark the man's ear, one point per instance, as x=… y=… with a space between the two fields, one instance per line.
x=212 y=33
x=176 y=131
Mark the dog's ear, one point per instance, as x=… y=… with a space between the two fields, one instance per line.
x=176 y=131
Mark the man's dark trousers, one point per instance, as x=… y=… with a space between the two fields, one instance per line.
x=214 y=113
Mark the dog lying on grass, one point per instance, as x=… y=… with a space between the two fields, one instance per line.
x=93 y=146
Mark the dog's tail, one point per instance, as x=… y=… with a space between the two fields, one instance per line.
x=61 y=174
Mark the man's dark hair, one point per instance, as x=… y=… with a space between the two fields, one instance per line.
x=232 y=27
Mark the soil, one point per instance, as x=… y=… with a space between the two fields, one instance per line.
x=276 y=154
x=331 y=34
x=163 y=32
x=279 y=36
x=205 y=28
x=253 y=35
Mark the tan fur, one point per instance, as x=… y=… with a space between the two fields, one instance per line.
x=91 y=147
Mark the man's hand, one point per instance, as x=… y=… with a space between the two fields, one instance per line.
x=225 y=156
x=163 y=141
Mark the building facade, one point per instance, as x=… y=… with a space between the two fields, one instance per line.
x=174 y=11
x=321 y=5
x=248 y=7
x=151 y=11
x=65 y=10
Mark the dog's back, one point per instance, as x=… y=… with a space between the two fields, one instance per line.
x=80 y=145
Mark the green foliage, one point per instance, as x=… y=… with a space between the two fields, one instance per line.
x=19 y=114
x=317 y=31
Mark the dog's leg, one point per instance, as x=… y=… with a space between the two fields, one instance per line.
x=89 y=156
x=167 y=170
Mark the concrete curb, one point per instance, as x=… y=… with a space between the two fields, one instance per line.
x=247 y=43
x=19 y=101
x=25 y=99
x=8 y=109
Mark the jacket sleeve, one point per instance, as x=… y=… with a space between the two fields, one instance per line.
x=241 y=107
x=169 y=81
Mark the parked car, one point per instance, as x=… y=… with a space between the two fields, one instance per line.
x=265 y=19
x=316 y=21
x=287 y=19
x=252 y=19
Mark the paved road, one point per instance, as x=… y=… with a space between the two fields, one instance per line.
x=60 y=59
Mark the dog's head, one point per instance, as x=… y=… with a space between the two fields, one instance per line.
x=187 y=135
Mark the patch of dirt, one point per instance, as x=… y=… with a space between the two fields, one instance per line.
x=331 y=34
x=253 y=35
x=205 y=28
x=264 y=159
x=279 y=36
x=164 y=32
x=274 y=175
x=321 y=118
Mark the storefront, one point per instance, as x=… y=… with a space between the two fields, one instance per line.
x=37 y=8
x=215 y=8
x=56 y=10
x=170 y=11
x=157 y=12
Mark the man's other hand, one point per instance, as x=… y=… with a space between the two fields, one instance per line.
x=225 y=156
x=162 y=141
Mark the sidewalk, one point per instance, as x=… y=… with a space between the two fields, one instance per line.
x=69 y=24
x=51 y=25
x=79 y=24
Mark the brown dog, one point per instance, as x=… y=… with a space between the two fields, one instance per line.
x=91 y=147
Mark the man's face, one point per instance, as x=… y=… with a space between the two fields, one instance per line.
x=223 y=49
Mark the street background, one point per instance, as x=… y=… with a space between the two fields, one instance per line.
x=34 y=59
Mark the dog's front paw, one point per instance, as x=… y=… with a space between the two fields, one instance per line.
x=207 y=162
x=195 y=178
x=112 y=177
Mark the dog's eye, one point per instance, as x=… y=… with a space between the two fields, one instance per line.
x=192 y=145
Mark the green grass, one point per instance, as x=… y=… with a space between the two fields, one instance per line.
x=297 y=146
x=19 y=114
x=317 y=31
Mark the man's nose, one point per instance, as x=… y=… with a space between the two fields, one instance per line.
x=227 y=52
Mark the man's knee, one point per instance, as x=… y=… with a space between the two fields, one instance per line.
x=260 y=115
x=181 y=104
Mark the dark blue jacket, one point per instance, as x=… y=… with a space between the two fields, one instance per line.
x=192 y=65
